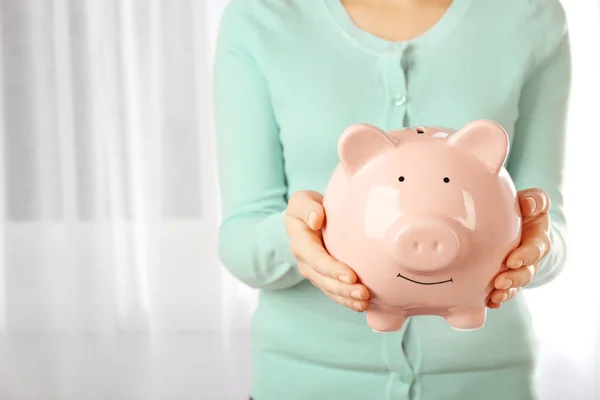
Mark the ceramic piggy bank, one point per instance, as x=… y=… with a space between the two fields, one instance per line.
x=425 y=217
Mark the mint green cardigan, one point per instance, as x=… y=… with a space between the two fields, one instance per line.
x=289 y=77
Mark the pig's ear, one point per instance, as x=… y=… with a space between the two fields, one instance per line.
x=359 y=144
x=486 y=140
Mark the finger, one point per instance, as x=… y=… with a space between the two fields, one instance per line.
x=335 y=287
x=533 y=202
x=330 y=285
x=502 y=296
x=320 y=260
x=532 y=249
x=355 y=305
x=512 y=293
x=499 y=296
x=309 y=248
x=307 y=207
x=514 y=278
x=306 y=271
x=491 y=304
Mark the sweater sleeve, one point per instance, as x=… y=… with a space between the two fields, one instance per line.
x=538 y=152
x=252 y=244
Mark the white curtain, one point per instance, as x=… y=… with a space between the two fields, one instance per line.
x=110 y=287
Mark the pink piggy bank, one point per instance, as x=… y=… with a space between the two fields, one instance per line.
x=425 y=217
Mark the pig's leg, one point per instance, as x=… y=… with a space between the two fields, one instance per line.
x=381 y=321
x=467 y=318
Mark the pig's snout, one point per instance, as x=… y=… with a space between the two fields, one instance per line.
x=426 y=246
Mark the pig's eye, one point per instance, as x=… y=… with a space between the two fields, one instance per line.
x=446 y=179
x=401 y=179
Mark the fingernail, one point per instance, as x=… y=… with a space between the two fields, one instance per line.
x=312 y=219
x=517 y=264
x=507 y=284
x=531 y=203
x=357 y=305
x=345 y=278
x=504 y=297
x=356 y=294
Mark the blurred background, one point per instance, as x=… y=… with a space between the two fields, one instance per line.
x=110 y=285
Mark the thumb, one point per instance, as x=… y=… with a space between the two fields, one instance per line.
x=534 y=246
x=307 y=206
x=533 y=202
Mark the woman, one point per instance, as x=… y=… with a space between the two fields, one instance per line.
x=290 y=76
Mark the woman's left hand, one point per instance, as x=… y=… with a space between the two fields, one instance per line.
x=524 y=261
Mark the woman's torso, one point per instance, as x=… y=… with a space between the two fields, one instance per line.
x=325 y=74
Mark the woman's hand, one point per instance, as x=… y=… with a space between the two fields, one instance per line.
x=523 y=262
x=303 y=221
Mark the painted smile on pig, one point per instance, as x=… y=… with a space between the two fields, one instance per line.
x=423 y=283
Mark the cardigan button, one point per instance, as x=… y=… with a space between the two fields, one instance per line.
x=400 y=100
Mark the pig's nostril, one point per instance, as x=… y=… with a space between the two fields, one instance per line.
x=436 y=246
x=417 y=246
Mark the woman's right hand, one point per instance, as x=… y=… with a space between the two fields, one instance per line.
x=303 y=222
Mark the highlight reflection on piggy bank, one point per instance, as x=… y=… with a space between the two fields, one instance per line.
x=425 y=217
